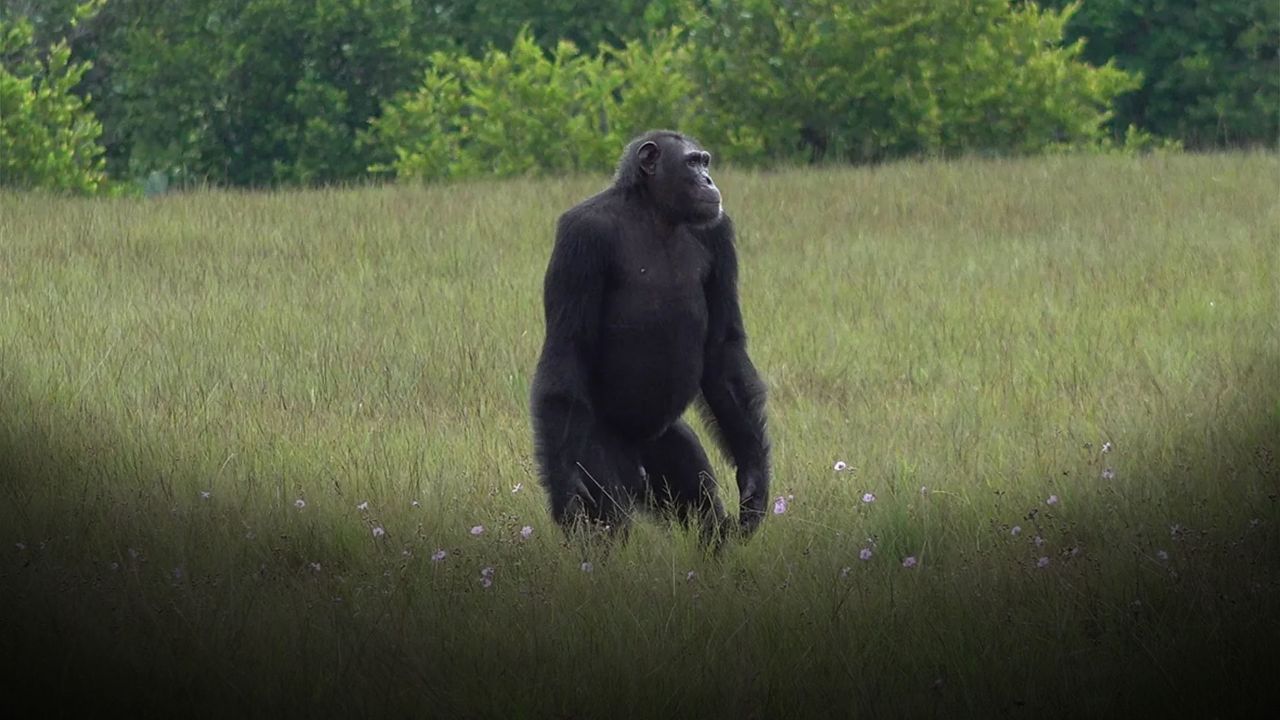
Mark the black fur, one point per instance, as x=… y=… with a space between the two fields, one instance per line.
x=642 y=319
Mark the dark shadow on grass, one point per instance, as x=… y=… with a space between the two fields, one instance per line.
x=81 y=638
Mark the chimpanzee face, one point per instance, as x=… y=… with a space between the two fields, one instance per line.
x=677 y=174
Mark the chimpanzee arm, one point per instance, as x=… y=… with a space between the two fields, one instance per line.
x=564 y=420
x=732 y=392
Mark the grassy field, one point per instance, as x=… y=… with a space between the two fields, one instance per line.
x=1060 y=379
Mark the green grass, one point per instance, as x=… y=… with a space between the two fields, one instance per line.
x=978 y=328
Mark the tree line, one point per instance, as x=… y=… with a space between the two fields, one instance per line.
x=108 y=94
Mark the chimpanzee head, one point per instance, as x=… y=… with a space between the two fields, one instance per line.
x=672 y=171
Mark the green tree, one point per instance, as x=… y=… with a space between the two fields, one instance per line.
x=473 y=26
x=48 y=137
x=880 y=79
x=249 y=92
x=526 y=111
x=50 y=20
x=1210 y=68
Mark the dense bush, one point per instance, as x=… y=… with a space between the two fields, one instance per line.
x=250 y=92
x=526 y=111
x=1211 y=68
x=472 y=26
x=261 y=92
x=887 y=78
x=48 y=137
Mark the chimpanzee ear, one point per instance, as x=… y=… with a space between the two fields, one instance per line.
x=648 y=155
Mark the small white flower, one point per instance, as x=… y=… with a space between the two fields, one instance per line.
x=1255 y=523
x=1108 y=474
x=363 y=506
x=587 y=567
x=1016 y=530
x=689 y=576
x=299 y=503
x=315 y=567
x=526 y=532
x=115 y=566
x=1107 y=447
x=205 y=494
x=868 y=498
x=134 y=554
x=1162 y=556
x=844 y=571
x=840 y=466
x=865 y=553
x=486 y=571
x=924 y=491
x=438 y=555
x=517 y=488
x=486 y=582
x=1042 y=562
x=415 y=503
x=1051 y=500
x=1039 y=541
x=379 y=532
x=477 y=530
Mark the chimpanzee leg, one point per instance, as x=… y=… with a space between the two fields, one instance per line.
x=680 y=479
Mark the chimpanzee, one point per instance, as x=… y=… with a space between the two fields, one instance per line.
x=642 y=318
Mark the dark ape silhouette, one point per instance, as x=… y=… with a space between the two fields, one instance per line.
x=642 y=318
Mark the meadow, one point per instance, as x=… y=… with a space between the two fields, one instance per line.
x=268 y=454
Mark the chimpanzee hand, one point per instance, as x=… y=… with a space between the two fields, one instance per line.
x=753 y=493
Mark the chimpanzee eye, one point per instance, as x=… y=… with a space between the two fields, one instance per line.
x=700 y=160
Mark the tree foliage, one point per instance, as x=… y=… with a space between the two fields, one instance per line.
x=1210 y=68
x=48 y=136
x=880 y=79
x=526 y=111
x=473 y=26
x=265 y=92
x=251 y=92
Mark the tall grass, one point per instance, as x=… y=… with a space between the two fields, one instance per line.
x=199 y=392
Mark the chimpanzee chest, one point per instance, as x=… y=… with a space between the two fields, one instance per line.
x=653 y=332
